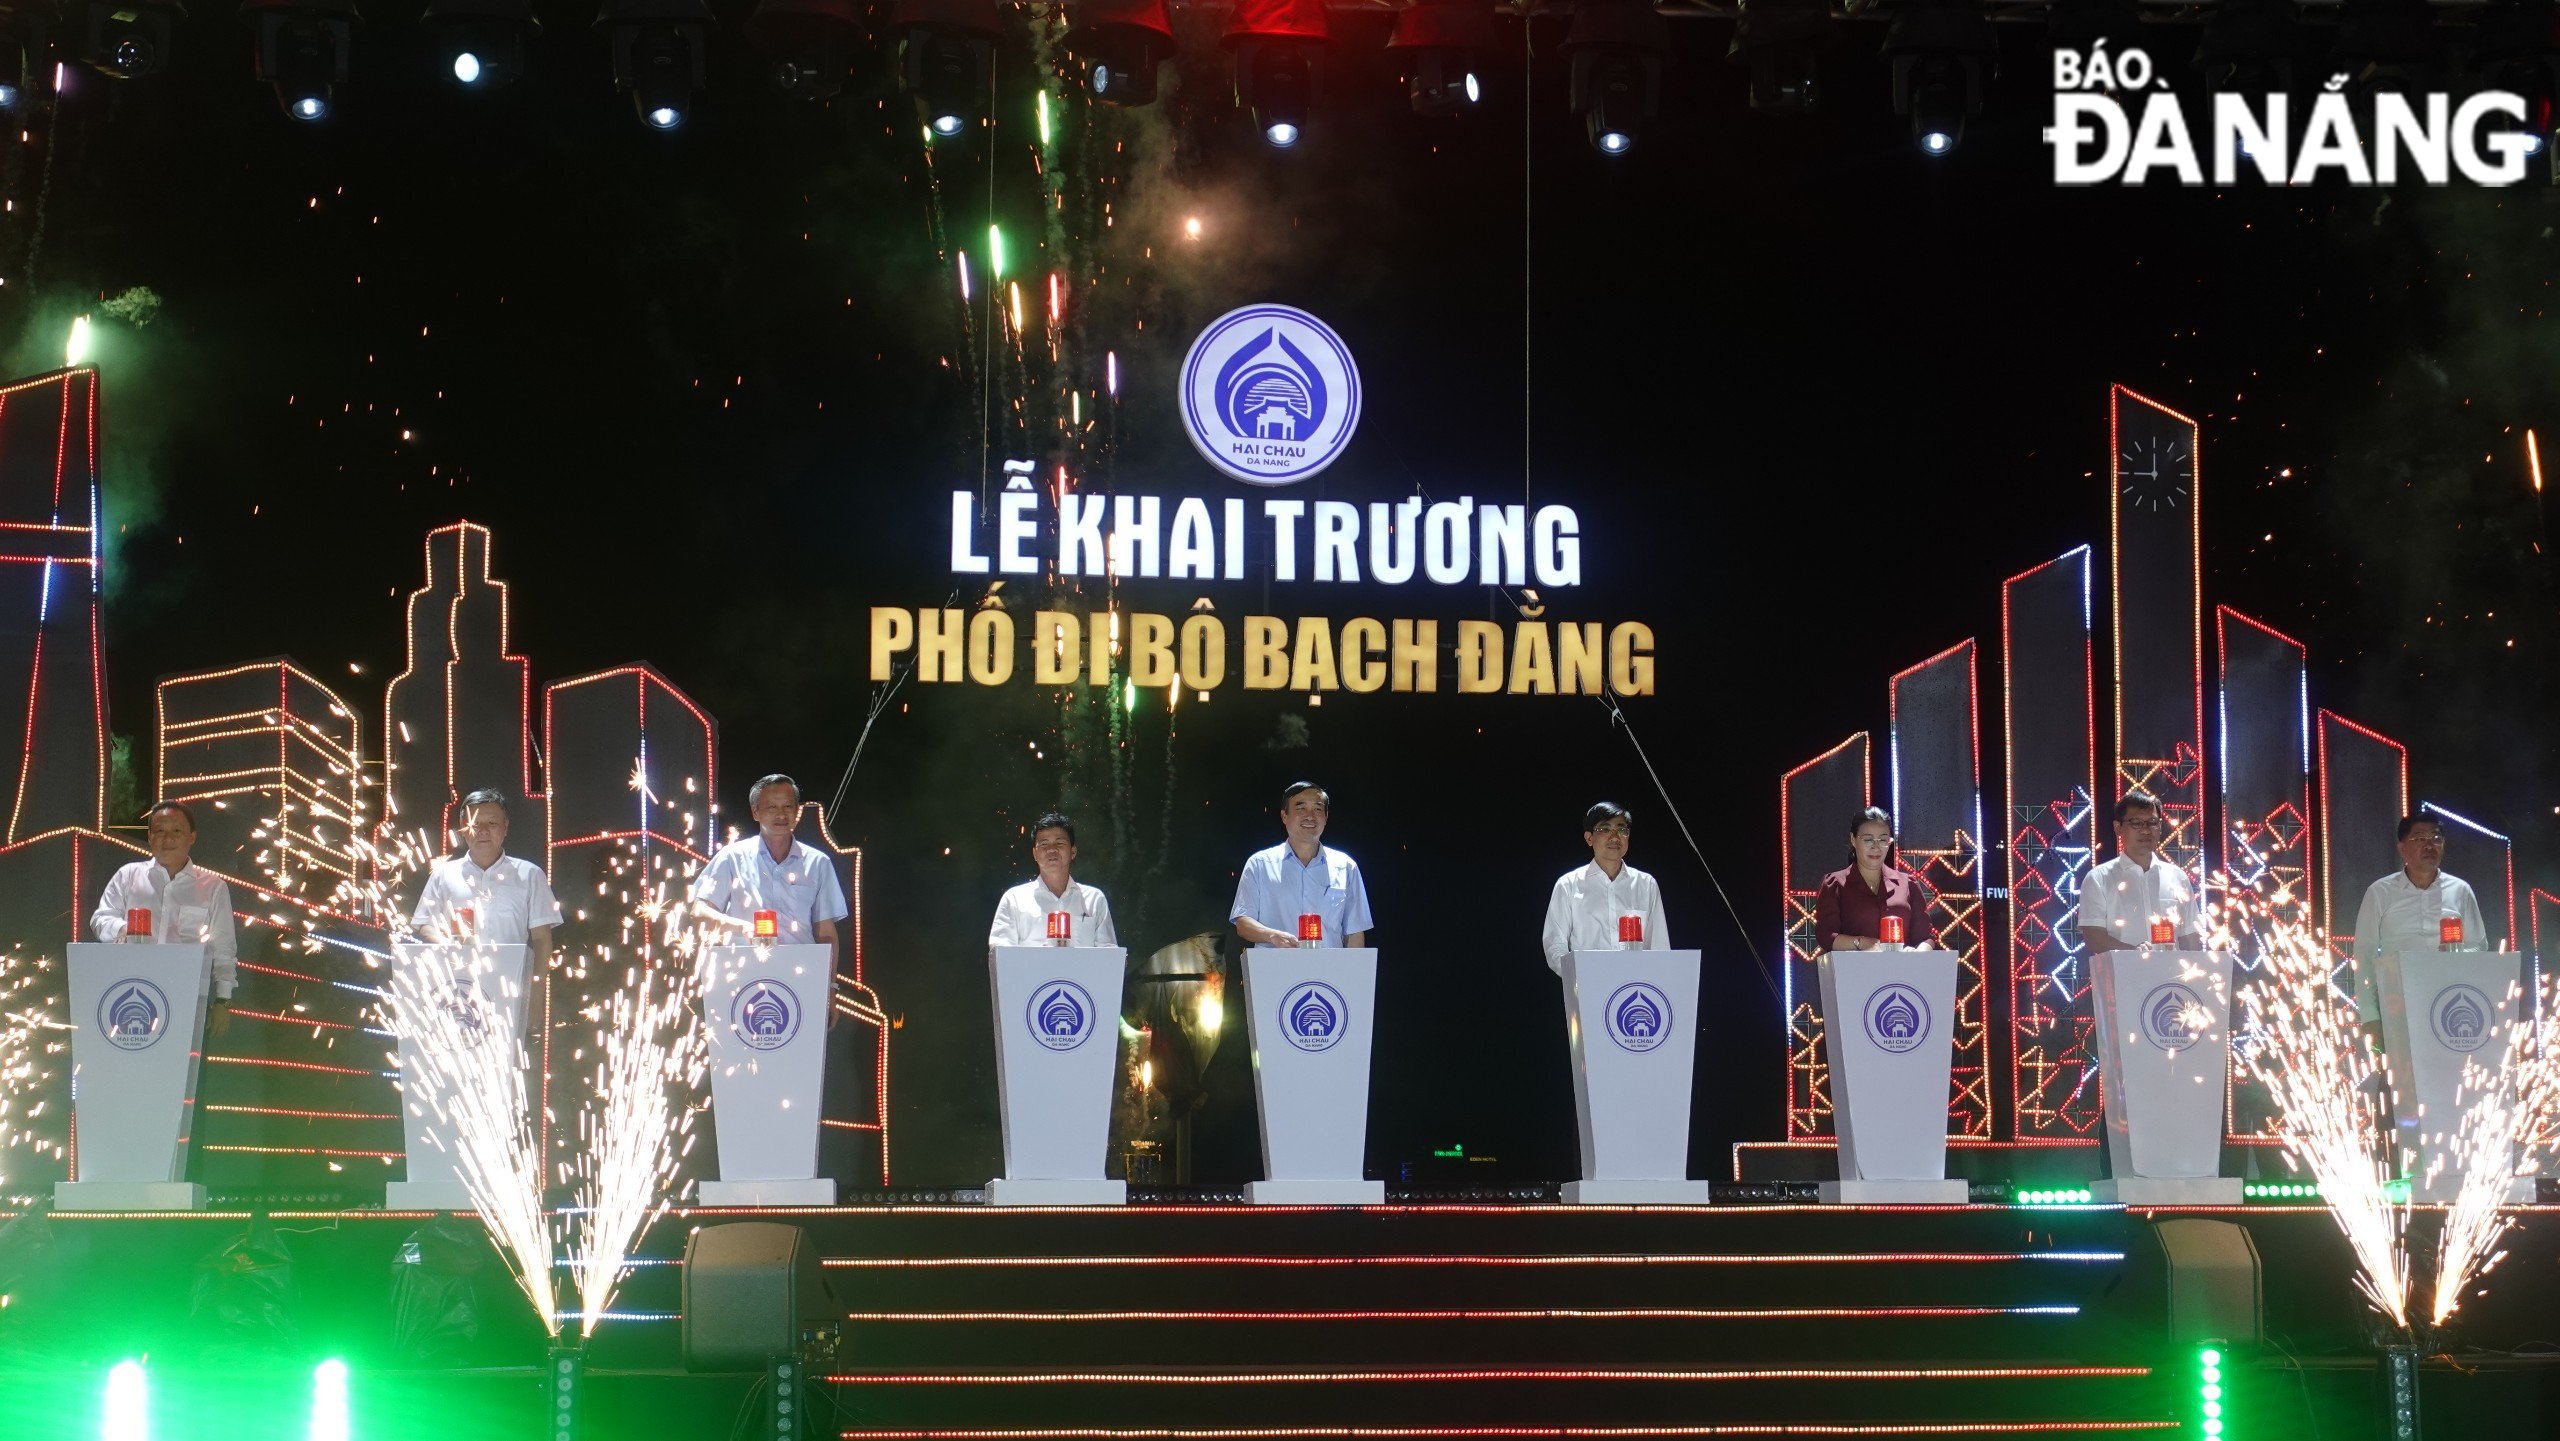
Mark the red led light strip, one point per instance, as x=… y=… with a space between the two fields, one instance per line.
x=1816 y=1258
x=1808 y=1073
x=1629 y=1313
x=305 y=1115
x=291 y=1065
x=1950 y=866
x=307 y=1151
x=1523 y=1373
x=2054 y=1095
x=2342 y=945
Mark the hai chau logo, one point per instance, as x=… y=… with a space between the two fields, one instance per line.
x=2115 y=121
x=1269 y=394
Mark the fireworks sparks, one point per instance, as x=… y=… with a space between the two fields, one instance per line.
x=30 y=1039
x=2506 y=1109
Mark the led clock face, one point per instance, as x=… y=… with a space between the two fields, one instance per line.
x=2156 y=473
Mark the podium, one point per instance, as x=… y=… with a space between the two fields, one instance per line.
x=764 y=1015
x=1631 y=1017
x=137 y=1015
x=2164 y=1059
x=1309 y=1021
x=494 y=978
x=1057 y=1046
x=1889 y=1022
x=2442 y=1010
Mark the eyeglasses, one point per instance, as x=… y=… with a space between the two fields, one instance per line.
x=2140 y=823
x=1619 y=831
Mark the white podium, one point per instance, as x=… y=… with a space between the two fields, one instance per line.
x=1310 y=1024
x=137 y=1015
x=2442 y=1010
x=764 y=1014
x=1057 y=1042
x=1889 y=1022
x=494 y=976
x=1631 y=1017
x=2164 y=1060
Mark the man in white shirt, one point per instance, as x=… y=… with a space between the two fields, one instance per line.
x=769 y=871
x=487 y=895
x=1587 y=903
x=1301 y=877
x=1022 y=915
x=2121 y=898
x=188 y=905
x=2405 y=911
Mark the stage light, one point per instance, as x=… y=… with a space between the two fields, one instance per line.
x=2516 y=48
x=1939 y=49
x=2248 y=46
x=1447 y=41
x=657 y=55
x=123 y=39
x=329 y=1401
x=127 y=1413
x=945 y=51
x=302 y=50
x=1617 y=47
x=1276 y=45
x=1121 y=44
x=75 y=351
x=807 y=44
x=483 y=42
x=1779 y=42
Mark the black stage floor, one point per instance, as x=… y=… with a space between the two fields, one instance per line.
x=1202 y=1320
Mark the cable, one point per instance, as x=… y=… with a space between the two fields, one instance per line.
x=1618 y=718
x=879 y=706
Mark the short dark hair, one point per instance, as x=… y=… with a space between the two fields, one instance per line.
x=755 y=793
x=1322 y=794
x=2411 y=823
x=2135 y=800
x=1871 y=813
x=1054 y=821
x=176 y=808
x=485 y=796
x=1606 y=811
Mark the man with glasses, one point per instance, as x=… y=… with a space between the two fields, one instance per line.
x=1022 y=916
x=2121 y=899
x=771 y=871
x=1584 y=909
x=2405 y=911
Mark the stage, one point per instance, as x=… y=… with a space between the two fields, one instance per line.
x=1203 y=1319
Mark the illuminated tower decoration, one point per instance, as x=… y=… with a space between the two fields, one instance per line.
x=2048 y=712
x=1815 y=802
x=2542 y=915
x=2263 y=700
x=269 y=760
x=2159 y=619
x=2492 y=880
x=460 y=716
x=2364 y=791
x=52 y=690
x=1937 y=812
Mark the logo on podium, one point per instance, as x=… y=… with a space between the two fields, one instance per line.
x=2462 y=1017
x=764 y=1015
x=1639 y=1016
x=2174 y=1017
x=133 y=1015
x=1269 y=394
x=1312 y=1016
x=1061 y=1014
x=1897 y=1018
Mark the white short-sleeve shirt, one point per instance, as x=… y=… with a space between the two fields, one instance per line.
x=1022 y=915
x=506 y=900
x=1584 y=907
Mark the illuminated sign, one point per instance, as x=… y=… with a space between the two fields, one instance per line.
x=1269 y=394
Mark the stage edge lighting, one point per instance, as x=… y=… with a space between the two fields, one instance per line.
x=1443 y=44
x=302 y=50
x=658 y=55
x=481 y=43
x=945 y=50
x=1617 y=48
x=807 y=45
x=123 y=39
x=1939 y=50
x=1780 y=42
x=126 y=1414
x=1119 y=46
x=329 y=1401
x=1277 y=44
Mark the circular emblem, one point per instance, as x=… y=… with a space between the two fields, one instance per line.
x=1639 y=1017
x=2174 y=1017
x=764 y=1014
x=1269 y=394
x=1061 y=1014
x=2463 y=1018
x=133 y=1015
x=470 y=1014
x=1897 y=1018
x=1313 y=1016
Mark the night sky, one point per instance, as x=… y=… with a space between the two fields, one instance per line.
x=1812 y=393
